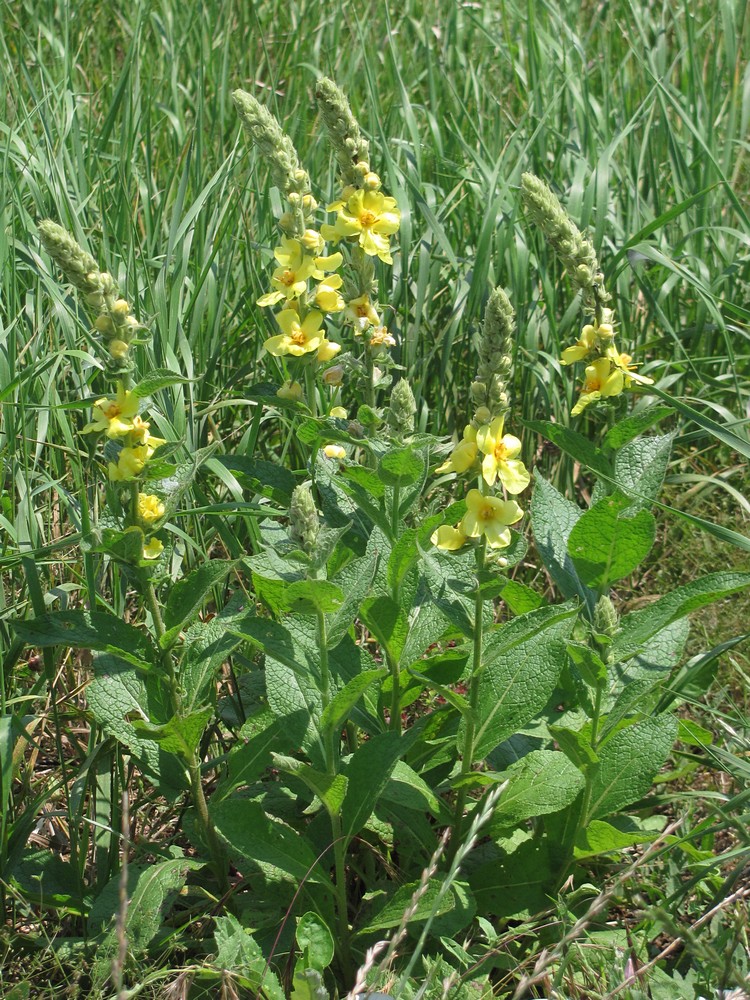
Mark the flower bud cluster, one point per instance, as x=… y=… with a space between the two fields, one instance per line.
x=490 y=391
x=349 y=145
x=575 y=251
x=114 y=322
x=402 y=410
x=304 y=524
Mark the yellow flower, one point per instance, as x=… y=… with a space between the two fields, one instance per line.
x=328 y=350
x=330 y=263
x=368 y=215
x=463 y=455
x=582 y=348
x=297 y=338
x=447 y=538
x=327 y=296
x=380 y=337
x=362 y=313
x=140 y=435
x=290 y=390
x=623 y=362
x=289 y=282
x=489 y=516
x=334 y=451
x=150 y=508
x=114 y=416
x=153 y=550
x=339 y=412
x=129 y=464
x=601 y=380
x=500 y=461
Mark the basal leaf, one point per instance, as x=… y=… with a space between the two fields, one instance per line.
x=88 y=630
x=543 y=782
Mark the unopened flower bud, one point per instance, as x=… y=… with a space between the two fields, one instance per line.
x=372 y=181
x=291 y=391
x=118 y=349
x=104 y=324
x=362 y=167
x=312 y=240
x=606 y=620
x=483 y=415
x=328 y=350
x=309 y=203
x=334 y=375
x=287 y=222
x=304 y=524
x=334 y=451
x=338 y=412
x=121 y=309
x=294 y=199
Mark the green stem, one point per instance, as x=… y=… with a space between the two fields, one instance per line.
x=332 y=766
x=218 y=858
x=370 y=369
x=311 y=389
x=395 y=724
x=467 y=757
x=395 y=511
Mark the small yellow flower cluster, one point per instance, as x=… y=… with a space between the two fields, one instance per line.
x=486 y=515
x=608 y=371
x=365 y=214
x=301 y=260
x=151 y=509
x=118 y=418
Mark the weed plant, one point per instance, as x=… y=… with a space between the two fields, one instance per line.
x=297 y=697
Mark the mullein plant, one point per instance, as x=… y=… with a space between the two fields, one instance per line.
x=129 y=443
x=307 y=289
x=608 y=372
x=135 y=520
x=487 y=452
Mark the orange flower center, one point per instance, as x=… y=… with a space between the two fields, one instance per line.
x=487 y=513
x=367 y=218
x=362 y=311
x=298 y=337
x=500 y=452
x=288 y=278
x=113 y=410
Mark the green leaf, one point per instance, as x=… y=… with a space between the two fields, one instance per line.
x=387 y=622
x=251 y=755
x=605 y=546
x=305 y=597
x=407 y=789
x=238 y=952
x=88 y=630
x=514 y=885
x=404 y=555
x=119 y=693
x=315 y=941
x=552 y=520
x=656 y=661
x=263 y=841
x=369 y=771
x=579 y=447
x=640 y=467
x=181 y=735
x=267 y=478
x=44 y=878
x=628 y=763
x=520 y=598
x=589 y=665
x=522 y=661
x=639 y=626
x=187 y=596
x=150 y=890
x=400 y=467
x=307 y=984
x=630 y=427
x=400 y=903
x=273 y=639
x=339 y=707
x=355 y=581
x=330 y=788
x=598 y=837
x=541 y=782
x=208 y=644
x=366 y=479
x=159 y=378
x=576 y=746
